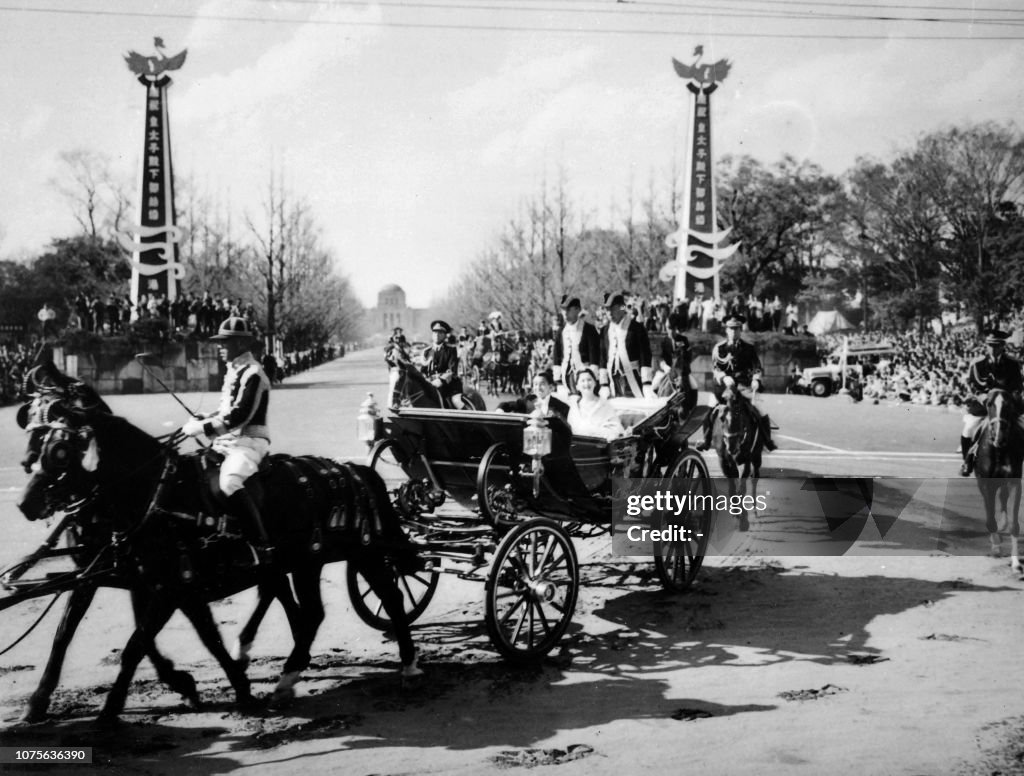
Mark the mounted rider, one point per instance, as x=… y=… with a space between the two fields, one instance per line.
x=625 y=353
x=442 y=365
x=577 y=346
x=396 y=350
x=993 y=370
x=737 y=367
x=238 y=427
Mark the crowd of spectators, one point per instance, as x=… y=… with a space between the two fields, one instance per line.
x=188 y=313
x=14 y=363
x=926 y=367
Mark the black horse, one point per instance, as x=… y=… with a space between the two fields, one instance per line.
x=413 y=389
x=997 y=467
x=739 y=439
x=148 y=510
x=739 y=445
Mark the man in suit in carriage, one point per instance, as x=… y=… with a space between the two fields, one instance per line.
x=238 y=427
x=625 y=365
x=577 y=346
x=736 y=366
x=993 y=370
x=442 y=365
x=543 y=398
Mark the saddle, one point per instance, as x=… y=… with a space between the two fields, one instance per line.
x=212 y=497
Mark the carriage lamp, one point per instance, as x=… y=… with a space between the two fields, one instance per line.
x=368 y=420
x=536 y=444
x=536 y=436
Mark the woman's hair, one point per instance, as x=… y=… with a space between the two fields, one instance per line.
x=593 y=377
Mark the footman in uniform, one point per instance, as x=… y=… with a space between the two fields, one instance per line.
x=625 y=353
x=577 y=346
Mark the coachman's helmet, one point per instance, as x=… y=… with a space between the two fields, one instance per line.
x=234 y=327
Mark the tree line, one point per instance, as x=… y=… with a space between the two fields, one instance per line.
x=274 y=257
x=891 y=243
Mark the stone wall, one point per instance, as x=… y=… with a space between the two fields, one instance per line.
x=779 y=353
x=183 y=367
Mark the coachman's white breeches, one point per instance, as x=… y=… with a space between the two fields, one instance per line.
x=242 y=456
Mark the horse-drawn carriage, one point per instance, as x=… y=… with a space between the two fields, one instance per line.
x=516 y=489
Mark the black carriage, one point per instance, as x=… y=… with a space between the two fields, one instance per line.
x=498 y=498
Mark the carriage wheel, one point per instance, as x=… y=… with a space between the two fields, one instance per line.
x=410 y=497
x=417 y=591
x=495 y=489
x=531 y=590
x=678 y=562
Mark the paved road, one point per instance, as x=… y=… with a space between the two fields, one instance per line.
x=314 y=413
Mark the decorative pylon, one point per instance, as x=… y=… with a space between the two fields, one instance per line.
x=699 y=253
x=153 y=240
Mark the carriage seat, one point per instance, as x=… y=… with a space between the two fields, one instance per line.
x=633 y=411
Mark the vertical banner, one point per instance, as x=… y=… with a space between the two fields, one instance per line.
x=698 y=255
x=153 y=240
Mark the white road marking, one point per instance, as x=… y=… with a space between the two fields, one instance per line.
x=863 y=454
x=807 y=442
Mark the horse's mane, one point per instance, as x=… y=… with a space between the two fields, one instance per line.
x=121 y=439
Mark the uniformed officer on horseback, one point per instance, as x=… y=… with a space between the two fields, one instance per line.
x=993 y=370
x=736 y=366
x=239 y=428
x=442 y=365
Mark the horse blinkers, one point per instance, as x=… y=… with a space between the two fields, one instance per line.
x=63 y=447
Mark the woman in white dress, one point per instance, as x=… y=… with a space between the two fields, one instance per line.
x=590 y=414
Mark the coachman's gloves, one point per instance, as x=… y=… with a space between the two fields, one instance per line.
x=193 y=427
x=729 y=381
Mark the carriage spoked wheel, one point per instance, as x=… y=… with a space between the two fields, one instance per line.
x=410 y=497
x=417 y=591
x=495 y=485
x=678 y=562
x=531 y=590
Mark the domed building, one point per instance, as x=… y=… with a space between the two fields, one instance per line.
x=392 y=310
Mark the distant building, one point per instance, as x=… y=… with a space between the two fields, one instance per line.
x=392 y=310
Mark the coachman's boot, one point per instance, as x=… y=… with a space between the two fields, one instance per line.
x=243 y=507
x=966 y=443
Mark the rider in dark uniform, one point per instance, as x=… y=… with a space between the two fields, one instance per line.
x=993 y=370
x=736 y=365
x=443 y=365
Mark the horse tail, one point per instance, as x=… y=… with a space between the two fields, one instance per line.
x=395 y=542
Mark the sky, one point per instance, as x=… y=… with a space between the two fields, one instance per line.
x=417 y=130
